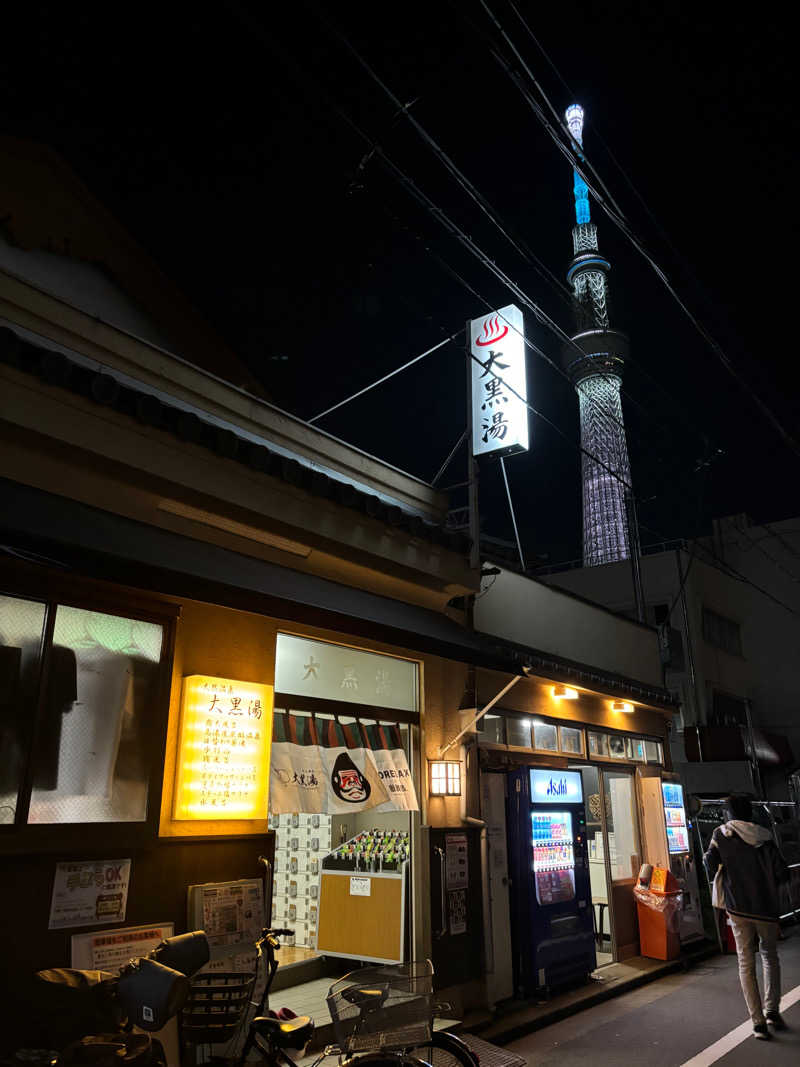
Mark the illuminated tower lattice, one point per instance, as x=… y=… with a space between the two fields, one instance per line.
x=595 y=362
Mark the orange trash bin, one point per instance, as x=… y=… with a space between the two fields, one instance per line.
x=658 y=908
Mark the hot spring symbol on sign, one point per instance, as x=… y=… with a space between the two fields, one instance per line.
x=347 y=781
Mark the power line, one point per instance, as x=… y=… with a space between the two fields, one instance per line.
x=437 y=212
x=469 y=188
x=756 y=544
x=386 y=377
x=618 y=218
x=477 y=196
x=399 y=174
x=450 y=456
x=726 y=568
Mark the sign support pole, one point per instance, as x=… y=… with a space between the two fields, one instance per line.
x=472 y=468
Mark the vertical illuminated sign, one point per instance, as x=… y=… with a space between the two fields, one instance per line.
x=224 y=749
x=499 y=383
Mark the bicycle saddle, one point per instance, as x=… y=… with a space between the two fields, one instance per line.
x=285 y=1033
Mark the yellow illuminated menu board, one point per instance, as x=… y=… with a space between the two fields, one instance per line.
x=224 y=749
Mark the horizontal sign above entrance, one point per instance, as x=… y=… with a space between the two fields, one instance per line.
x=305 y=667
x=556 y=787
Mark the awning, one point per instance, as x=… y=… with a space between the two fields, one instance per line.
x=103 y=545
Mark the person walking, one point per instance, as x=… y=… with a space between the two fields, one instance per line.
x=752 y=870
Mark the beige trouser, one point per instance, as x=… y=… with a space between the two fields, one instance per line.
x=746 y=932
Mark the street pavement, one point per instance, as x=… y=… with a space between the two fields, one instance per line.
x=697 y=1019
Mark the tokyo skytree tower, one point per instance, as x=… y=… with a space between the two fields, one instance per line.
x=595 y=361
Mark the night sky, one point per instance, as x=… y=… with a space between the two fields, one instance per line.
x=215 y=135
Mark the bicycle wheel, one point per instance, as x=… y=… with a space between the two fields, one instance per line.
x=446 y=1050
x=387 y=1059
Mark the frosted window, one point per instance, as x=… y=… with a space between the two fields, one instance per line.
x=634 y=749
x=616 y=746
x=545 y=737
x=571 y=740
x=598 y=744
x=91 y=762
x=518 y=732
x=21 y=628
x=491 y=729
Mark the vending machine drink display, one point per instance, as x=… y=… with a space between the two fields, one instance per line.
x=551 y=903
x=675 y=817
x=667 y=841
x=553 y=856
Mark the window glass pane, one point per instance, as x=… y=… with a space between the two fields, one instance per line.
x=544 y=736
x=634 y=748
x=571 y=740
x=598 y=744
x=616 y=746
x=623 y=839
x=652 y=751
x=91 y=764
x=518 y=732
x=21 y=626
x=491 y=729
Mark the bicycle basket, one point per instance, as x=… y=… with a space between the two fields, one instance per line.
x=215 y=1006
x=385 y=1007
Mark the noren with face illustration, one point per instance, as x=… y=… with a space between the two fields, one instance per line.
x=348 y=782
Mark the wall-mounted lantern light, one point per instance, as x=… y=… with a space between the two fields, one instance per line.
x=444 y=777
x=563 y=692
x=622 y=705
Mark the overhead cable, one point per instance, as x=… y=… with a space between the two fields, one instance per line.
x=469 y=188
x=386 y=377
x=608 y=205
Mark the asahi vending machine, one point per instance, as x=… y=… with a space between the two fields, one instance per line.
x=667 y=842
x=551 y=904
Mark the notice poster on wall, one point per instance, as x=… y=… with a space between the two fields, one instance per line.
x=89 y=893
x=109 y=950
x=456 y=861
x=231 y=913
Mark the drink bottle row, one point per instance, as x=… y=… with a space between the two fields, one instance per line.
x=371 y=851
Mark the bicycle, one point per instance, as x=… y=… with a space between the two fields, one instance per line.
x=394 y=1016
x=406 y=987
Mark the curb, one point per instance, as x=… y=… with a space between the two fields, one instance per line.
x=516 y=1028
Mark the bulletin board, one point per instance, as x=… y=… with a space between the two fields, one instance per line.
x=362 y=916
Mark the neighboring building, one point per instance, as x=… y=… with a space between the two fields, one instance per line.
x=729 y=610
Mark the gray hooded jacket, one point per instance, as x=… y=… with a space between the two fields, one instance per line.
x=753 y=868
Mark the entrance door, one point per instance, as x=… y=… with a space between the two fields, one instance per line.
x=618 y=788
x=612 y=837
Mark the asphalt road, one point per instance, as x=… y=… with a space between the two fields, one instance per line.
x=695 y=1019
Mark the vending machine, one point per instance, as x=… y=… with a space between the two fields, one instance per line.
x=667 y=834
x=551 y=904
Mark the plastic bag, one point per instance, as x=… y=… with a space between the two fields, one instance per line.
x=670 y=904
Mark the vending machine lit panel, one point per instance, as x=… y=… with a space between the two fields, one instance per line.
x=675 y=817
x=553 y=856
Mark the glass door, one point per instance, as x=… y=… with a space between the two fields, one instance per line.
x=623 y=858
x=612 y=838
x=597 y=853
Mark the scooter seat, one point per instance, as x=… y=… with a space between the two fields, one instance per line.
x=285 y=1033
